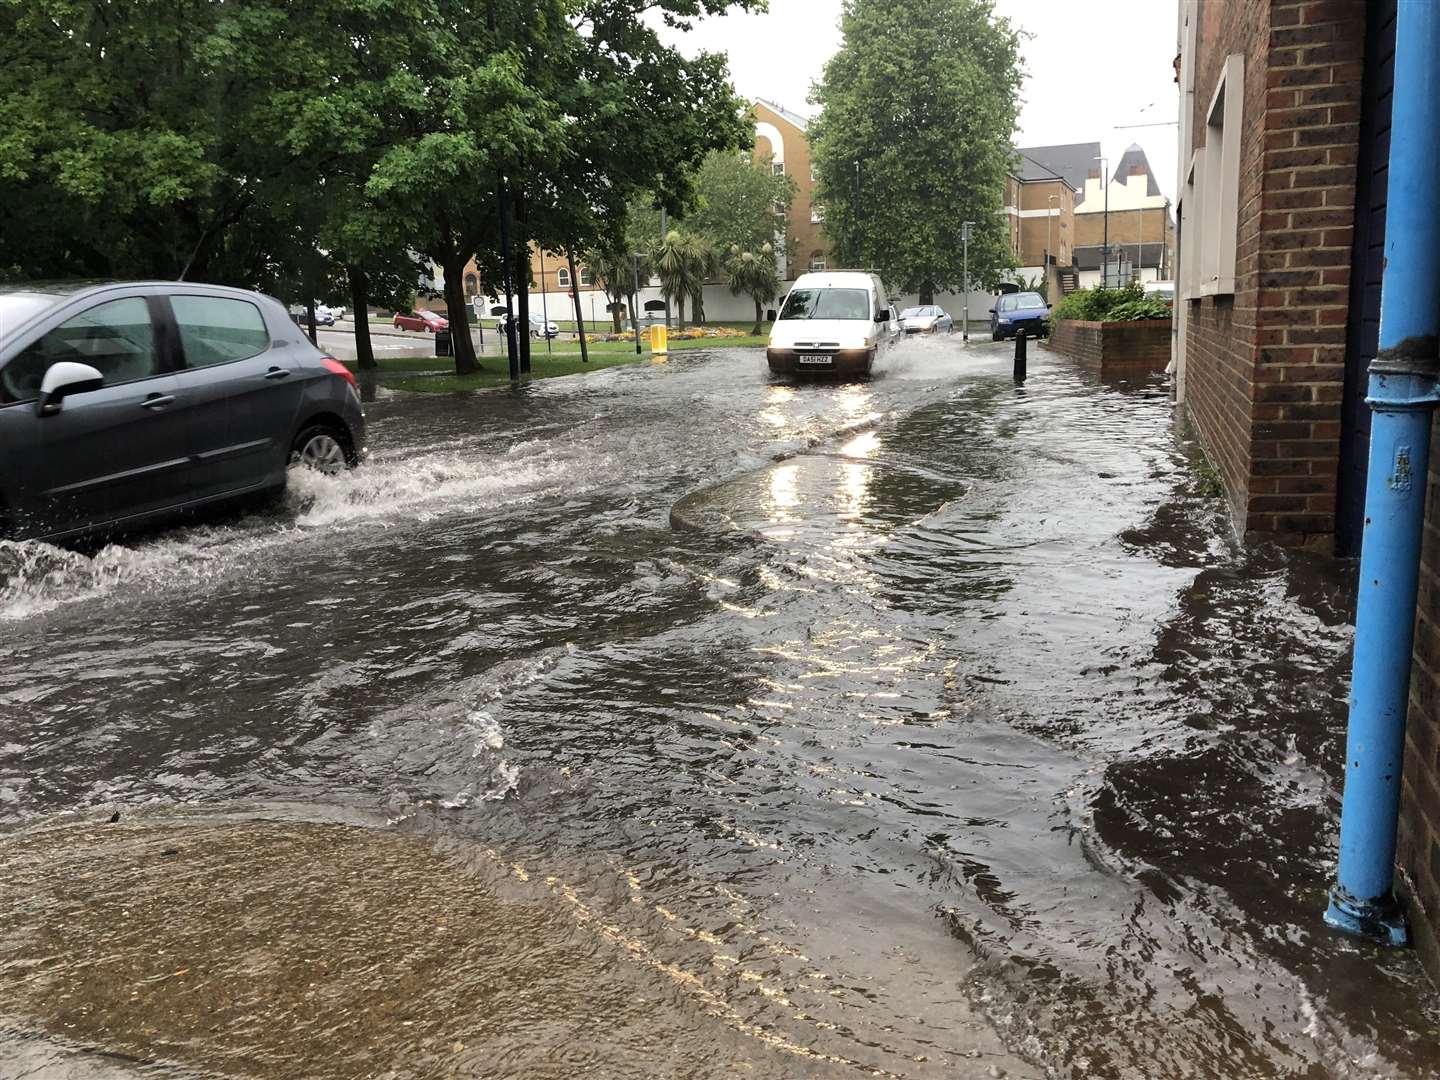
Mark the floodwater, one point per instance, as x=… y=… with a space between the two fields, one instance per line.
x=669 y=722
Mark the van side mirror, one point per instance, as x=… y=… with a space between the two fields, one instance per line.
x=882 y=316
x=63 y=379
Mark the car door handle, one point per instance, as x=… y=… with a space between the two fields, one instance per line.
x=277 y=373
x=158 y=401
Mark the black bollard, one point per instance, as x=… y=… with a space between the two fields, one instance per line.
x=1020 y=356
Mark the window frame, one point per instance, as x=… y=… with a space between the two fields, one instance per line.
x=172 y=321
x=562 y=277
x=1216 y=177
x=161 y=330
x=587 y=279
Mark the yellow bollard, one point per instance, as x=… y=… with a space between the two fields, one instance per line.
x=660 y=340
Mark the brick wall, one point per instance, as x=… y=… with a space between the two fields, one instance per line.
x=807 y=238
x=1418 y=852
x=1126 y=227
x=1265 y=367
x=1106 y=347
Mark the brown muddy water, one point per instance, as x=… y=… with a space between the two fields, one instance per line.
x=671 y=722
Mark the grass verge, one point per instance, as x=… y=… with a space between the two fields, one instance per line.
x=418 y=373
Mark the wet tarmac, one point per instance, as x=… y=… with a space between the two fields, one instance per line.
x=670 y=722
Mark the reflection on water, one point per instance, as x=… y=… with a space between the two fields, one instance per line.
x=950 y=737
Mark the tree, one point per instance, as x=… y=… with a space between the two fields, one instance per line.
x=922 y=98
x=681 y=261
x=740 y=203
x=754 y=274
x=613 y=268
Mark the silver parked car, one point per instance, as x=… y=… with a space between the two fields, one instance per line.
x=124 y=402
x=929 y=319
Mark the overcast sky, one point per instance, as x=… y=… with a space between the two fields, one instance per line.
x=1090 y=67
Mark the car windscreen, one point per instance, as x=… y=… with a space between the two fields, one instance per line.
x=17 y=308
x=826 y=304
x=914 y=313
x=1027 y=301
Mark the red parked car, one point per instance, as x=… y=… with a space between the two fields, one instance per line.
x=421 y=320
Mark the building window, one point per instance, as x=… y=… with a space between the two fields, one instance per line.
x=584 y=276
x=562 y=278
x=777 y=168
x=1211 y=197
x=817 y=262
x=472 y=285
x=816 y=215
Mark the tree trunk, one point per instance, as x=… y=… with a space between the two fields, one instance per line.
x=310 y=321
x=522 y=316
x=579 y=315
x=758 y=317
x=927 y=294
x=680 y=309
x=697 y=304
x=615 y=305
x=458 y=312
x=360 y=312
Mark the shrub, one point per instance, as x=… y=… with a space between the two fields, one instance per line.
x=1125 y=304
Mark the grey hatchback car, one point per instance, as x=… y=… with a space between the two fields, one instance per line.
x=125 y=402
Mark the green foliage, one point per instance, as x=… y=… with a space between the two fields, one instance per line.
x=1128 y=303
x=303 y=148
x=754 y=274
x=740 y=203
x=684 y=261
x=924 y=96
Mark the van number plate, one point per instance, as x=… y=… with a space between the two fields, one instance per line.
x=815 y=358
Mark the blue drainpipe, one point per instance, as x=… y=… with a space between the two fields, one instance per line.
x=1403 y=396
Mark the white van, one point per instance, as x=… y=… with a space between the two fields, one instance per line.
x=833 y=322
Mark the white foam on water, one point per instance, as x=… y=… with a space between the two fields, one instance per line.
x=496 y=777
x=36 y=577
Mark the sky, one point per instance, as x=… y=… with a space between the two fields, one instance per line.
x=1090 y=67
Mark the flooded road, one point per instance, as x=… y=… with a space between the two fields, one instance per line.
x=925 y=728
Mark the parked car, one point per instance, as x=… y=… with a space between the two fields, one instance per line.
x=424 y=321
x=833 y=322
x=334 y=314
x=1165 y=290
x=929 y=319
x=323 y=316
x=1016 y=310
x=121 y=403
x=538 y=327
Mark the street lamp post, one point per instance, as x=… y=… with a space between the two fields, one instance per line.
x=544 y=298
x=965 y=227
x=635 y=300
x=1105 y=249
x=1049 y=227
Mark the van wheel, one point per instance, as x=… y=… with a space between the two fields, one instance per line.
x=321 y=447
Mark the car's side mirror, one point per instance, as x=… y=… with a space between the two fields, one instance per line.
x=63 y=379
x=992 y=311
x=882 y=316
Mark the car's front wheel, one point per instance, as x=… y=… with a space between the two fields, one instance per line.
x=320 y=447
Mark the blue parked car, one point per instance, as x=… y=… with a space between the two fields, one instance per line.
x=1015 y=310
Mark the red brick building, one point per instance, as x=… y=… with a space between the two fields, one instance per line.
x=1284 y=145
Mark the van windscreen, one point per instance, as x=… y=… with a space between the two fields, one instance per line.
x=826 y=304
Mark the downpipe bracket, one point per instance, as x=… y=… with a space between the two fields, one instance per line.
x=1381 y=921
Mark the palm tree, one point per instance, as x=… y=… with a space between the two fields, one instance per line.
x=672 y=267
x=615 y=271
x=706 y=263
x=755 y=275
x=683 y=261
